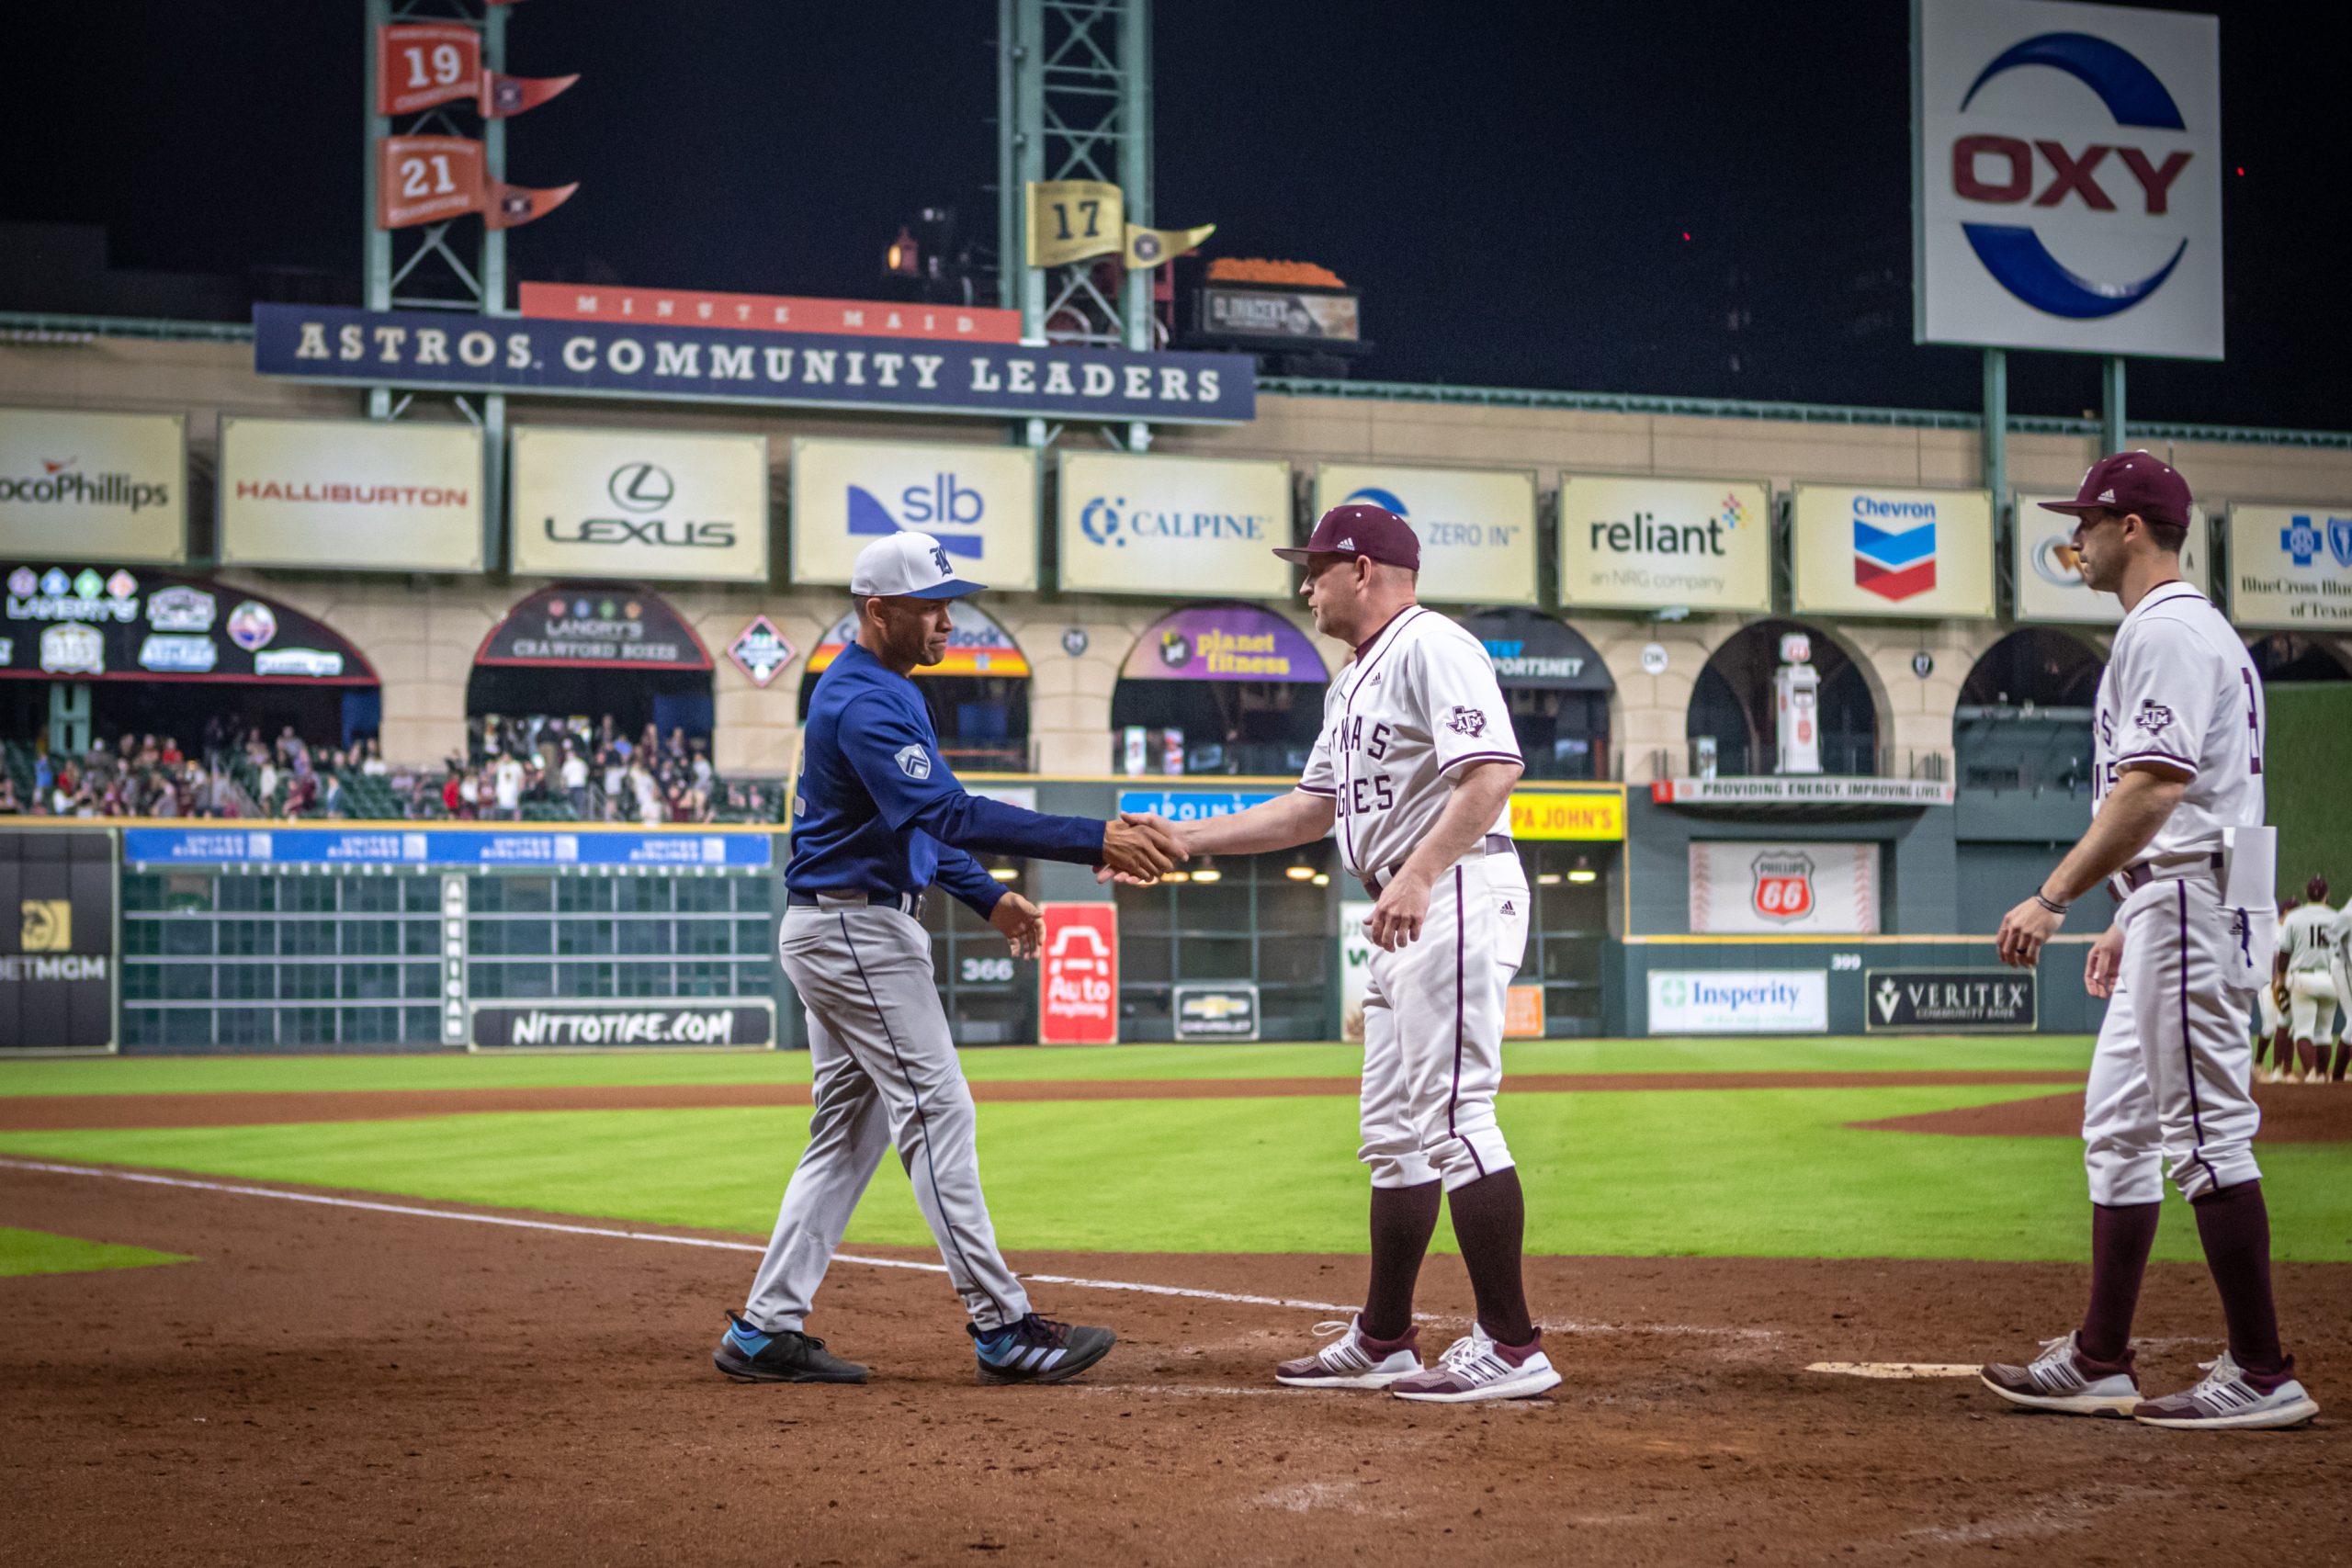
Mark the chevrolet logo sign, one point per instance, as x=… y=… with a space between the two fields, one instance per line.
x=1215 y=1007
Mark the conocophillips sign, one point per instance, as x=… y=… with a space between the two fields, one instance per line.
x=110 y=485
x=423 y=348
x=635 y=504
x=2067 y=192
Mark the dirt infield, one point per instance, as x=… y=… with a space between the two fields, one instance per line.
x=2291 y=1113
x=46 y=1112
x=327 y=1385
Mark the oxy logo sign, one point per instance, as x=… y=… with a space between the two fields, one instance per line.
x=1894 y=547
x=2068 y=181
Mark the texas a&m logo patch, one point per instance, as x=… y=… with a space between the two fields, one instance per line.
x=2152 y=716
x=1467 y=721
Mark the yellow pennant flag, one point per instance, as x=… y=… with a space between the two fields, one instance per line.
x=1071 y=219
x=1148 y=247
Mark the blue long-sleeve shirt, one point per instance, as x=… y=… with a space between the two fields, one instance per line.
x=876 y=802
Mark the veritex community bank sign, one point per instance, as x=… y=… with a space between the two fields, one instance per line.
x=621 y=359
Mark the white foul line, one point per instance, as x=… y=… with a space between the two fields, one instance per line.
x=1895 y=1369
x=616 y=1234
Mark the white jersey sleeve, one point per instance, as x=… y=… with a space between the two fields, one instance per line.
x=2165 y=685
x=1321 y=777
x=1468 y=719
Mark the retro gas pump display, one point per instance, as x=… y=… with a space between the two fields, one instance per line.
x=1796 y=704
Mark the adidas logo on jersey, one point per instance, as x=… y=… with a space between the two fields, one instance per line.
x=1506 y=909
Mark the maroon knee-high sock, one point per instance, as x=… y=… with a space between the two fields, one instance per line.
x=1403 y=1219
x=2233 y=1223
x=1490 y=1221
x=2121 y=1235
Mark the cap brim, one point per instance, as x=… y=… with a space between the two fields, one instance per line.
x=953 y=588
x=2074 y=508
x=1298 y=557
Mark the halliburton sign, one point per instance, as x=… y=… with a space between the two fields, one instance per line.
x=1077 y=974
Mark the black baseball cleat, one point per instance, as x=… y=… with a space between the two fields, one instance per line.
x=750 y=1355
x=1037 y=1349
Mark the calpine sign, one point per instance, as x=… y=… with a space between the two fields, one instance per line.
x=2067 y=178
x=628 y=359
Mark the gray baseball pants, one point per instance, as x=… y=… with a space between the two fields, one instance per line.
x=886 y=1074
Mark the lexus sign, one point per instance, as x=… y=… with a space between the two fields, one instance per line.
x=640 y=504
x=2067 y=178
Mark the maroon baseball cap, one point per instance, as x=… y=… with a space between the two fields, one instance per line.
x=2131 y=481
x=1360 y=528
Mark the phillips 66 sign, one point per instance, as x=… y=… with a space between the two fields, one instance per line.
x=2067 y=178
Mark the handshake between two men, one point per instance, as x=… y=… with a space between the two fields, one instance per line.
x=1136 y=850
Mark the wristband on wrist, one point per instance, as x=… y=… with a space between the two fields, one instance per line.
x=2050 y=904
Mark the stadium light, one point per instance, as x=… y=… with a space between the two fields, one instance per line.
x=1547 y=879
x=1299 y=872
x=1322 y=879
x=1208 y=874
x=1005 y=872
x=1582 y=871
x=1175 y=876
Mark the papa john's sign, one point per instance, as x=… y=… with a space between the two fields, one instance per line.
x=1078 y=975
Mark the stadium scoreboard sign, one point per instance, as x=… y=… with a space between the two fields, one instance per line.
x=434 y=350
x=2067 y=178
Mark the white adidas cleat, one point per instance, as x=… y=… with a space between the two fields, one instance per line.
x=1477 y=1368
x=1353 y=1361
x=2062 y=1378
x=2225 y=1401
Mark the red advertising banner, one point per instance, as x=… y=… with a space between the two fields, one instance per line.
x=1078 y=975
x=768 y=313
x=425 y=179
x=419 y=65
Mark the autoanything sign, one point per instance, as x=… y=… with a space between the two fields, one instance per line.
x=74 y=484
x=1078 y=975
x=1476 y=525
x=1638 y=543
x=579 y=1026
x=1753 y=888
x=979 y=503
x=57 y=942
x=2290 y=567
x=1893 y=552
x=592 y=625
x=640 y=504
x=350 y=494
x=1739 y=1001
x=1950 y=1000
x=2049 y=574
x=1174 y=526
x=2067 y=193
x=112 y=623
x=628 y=359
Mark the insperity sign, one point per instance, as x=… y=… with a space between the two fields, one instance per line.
x=630 y=359
x=2067 y=178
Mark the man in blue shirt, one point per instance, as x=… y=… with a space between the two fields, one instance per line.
x=877 y=817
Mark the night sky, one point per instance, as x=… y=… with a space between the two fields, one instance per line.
x=1509 y=186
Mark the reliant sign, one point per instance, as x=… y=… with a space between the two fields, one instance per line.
x=1629 y=543
x=432 y=349
x=2067 y=187
x=1476 y=525
x=360 y=495
x=74 y=484
x=639 y=503
x=1174 y=527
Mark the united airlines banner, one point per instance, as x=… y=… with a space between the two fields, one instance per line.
x=350 y=495
x=979 y=503
x=622 y=359
x=1174 y=527
x=1923 y=553
x=110 y=485
x=1476 y=525
x=640 y=503
x=2290 y=567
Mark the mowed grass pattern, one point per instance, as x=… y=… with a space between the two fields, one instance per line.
x=24 y=1252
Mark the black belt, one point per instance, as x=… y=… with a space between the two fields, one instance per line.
x=2135 y=877
x=905 y=903
x=1497 y=844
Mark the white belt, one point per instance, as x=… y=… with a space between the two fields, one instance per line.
x=1497 y=844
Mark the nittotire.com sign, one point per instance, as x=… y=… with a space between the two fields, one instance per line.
x=594 y=1026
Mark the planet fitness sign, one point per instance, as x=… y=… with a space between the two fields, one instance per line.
x=2067 y=185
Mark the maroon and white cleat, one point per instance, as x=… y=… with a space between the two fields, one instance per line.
x=1477 y=1368
x=1353 y=1361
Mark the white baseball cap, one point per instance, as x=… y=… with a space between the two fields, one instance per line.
x=907 y=566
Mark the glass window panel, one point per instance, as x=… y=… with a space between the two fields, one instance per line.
x=643 y=936
x=583 y=894
x=141 y=982
x=307 y=894
x=142 y=936
x=246 y=982
x=1299 y=906
x=1143 y=962
x=707 y=936
x=306 y=980
x=142 y=890
x=702 y=895
x=245 y=1026
x=527 y=936
x=251 y=894
x=187 y=892
x=187 y=1026
x=1144 y=911
x=588 y=936
x=752 y=936
x=370 y=896
x=422 y=895
x=184 y=937
x=584 y=980
x=641 y=895
x=370 y=937
x=421 y=1026
x=1213 y=958
x=1299 y=959
x=529 y=980
x=421 y=979
x=246 y=938
x=419 y=938
x=369 y=982
x=751 y=892
x=305 y=938
x=754 y=980
x=704 y=979
x=641 y=979
x=1219 y=906
x=307 y=1026
x=371 y=1026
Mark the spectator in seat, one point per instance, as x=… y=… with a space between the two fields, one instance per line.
x=575 y=781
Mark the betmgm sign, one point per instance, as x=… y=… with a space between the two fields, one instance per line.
x=57 y=942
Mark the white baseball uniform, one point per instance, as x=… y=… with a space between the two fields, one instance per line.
x=2307 y=937
x=2169 y=1079
x=1418 y=702
x=2339 y=957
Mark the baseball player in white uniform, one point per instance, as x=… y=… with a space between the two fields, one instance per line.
x=2306 y=940
x=1415 y=764
x=2178 y=739
x=2339 y=967
x=2271 y=1033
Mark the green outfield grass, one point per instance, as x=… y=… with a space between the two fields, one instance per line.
x=37 y=1252
x=194 y=1074
x=1774 y=1172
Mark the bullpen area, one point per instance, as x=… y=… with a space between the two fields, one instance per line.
x=454 y=1308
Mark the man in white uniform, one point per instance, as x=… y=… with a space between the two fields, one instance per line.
x=2305 y=939
x=2179 y=829
x=1415 y=762
x=2339 y=968
x=2271 y=1033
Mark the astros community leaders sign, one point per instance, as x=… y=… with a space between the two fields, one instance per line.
x=429 y=348
x=1193 y=527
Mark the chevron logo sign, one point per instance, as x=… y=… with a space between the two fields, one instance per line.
x=1893 y=562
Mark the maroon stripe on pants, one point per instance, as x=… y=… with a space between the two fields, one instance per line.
x=1461 y=920
x=2187 y=1051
